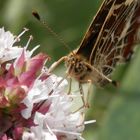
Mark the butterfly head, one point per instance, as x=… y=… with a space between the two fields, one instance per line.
x=77 y=67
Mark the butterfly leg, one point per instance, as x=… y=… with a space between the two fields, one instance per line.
x=88 y=93
x=101 y=74
x=85 y=103
x=70 y=85
x=55 y=64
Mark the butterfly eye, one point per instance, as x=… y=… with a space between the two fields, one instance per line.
x=73 y=59
x=70 y=61
x=80 y=68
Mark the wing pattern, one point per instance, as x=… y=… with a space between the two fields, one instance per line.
x=92 y=33
x=117 y=36
x=112 y=34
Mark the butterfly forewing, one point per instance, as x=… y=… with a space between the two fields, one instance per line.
x=94 y=29
x=109 y=40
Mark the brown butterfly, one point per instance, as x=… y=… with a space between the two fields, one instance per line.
x=109 y=40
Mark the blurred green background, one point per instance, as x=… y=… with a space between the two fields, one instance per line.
x=116 y=110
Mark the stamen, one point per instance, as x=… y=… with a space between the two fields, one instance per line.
x=17 y=39
x=80 y=138
x=28 y=42
x=35 y=48
x=66 y=132
x=62 y=131
x=51 y=132
x=89 y=122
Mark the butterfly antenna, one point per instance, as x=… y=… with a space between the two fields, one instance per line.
x=37 y=16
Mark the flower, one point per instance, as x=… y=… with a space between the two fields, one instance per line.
x=33 y=102
x=7 y=51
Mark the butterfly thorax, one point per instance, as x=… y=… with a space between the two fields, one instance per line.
x=79 y=69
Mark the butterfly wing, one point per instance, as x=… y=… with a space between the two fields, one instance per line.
x=117 y=36
x=112 y=34
x=92 y=33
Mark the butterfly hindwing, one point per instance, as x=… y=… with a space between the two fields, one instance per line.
x=117 y=36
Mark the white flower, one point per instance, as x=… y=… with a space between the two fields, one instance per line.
x=40 y=136
x=38 y=93
x=59 y=118
x=44 y=107
x=7 y=50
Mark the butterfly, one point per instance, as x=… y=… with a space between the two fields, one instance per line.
x=109 y=41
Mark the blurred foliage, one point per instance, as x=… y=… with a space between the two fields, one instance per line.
x=116 y=110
